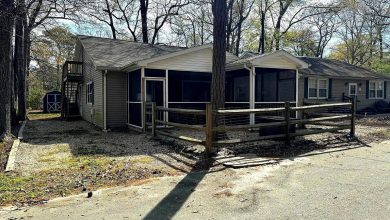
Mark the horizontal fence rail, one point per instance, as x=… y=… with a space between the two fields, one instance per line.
x=216 y=127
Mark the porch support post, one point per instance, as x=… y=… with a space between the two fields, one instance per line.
x=166 y=93
x=252 y=75
x=297 y=114
x=142 y=97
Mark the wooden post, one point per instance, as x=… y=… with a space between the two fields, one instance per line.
x=143 y=117
x=209 y=128
x=154 y=111
x=353 y=116
x=287 y=119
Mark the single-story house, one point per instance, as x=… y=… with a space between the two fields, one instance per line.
x=118 y=75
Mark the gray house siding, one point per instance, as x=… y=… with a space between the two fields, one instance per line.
x=116 y=99
x=90 y=112
x=340 y=86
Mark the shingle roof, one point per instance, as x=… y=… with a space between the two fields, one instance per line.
x=249 y=56
x=116 y=54
x=336 y=68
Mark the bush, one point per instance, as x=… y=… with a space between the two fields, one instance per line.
x=35 y=93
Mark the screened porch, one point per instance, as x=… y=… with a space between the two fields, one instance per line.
x=191 y=90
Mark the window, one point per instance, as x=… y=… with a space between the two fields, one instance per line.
x=318 y=88
x=376 y=90
x=90 y=93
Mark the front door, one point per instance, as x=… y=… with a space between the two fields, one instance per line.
x=155 y=91
x=352 y=89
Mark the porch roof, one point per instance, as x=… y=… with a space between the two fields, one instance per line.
x=279 y=59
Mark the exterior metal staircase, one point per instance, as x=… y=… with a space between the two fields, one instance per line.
x=72 y=78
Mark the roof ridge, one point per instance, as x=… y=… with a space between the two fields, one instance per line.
x=129 y=41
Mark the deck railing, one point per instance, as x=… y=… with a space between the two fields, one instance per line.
x=72 y=70
x=214 y=131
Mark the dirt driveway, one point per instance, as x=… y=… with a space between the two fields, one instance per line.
x=343 y=184
x=61 y=158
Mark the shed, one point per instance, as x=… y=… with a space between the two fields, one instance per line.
x=52 y=102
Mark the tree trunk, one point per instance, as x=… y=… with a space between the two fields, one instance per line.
x=239 y=27
x=261 y=49
x=6 y=32
x=380 y=36
x=219 y=55
x=19 y=60
x=229 y=25
x=144 y=20
x=277 y=35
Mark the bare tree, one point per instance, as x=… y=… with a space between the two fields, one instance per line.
x=164 y=10
x=238 y=12
x=325 y=26
x=194 y=25
x=129 y=13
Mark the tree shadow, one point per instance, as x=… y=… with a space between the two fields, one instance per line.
x=176 y=198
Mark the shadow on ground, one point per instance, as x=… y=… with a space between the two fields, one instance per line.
x=85 y=139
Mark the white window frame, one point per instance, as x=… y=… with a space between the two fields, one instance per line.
x=317 y=80
x=376 y=89
x=89 y=93
x=349 y=89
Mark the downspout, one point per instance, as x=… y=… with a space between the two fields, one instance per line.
x=105 y=100
x=252 y=84
x=297 y=115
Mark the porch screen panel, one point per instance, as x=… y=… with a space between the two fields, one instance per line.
x=237 y=86
x=134 y=98
x=135 y=114
x=269 y=86
x=187 y=87
x=287 y=86
x=154 y=73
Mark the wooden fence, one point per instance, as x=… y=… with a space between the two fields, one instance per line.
x=214 y=122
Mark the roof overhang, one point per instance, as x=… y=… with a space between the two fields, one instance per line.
x=144 y=63
x=279 y=59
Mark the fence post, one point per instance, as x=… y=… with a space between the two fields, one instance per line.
x=154 y=111
x=287 y=119
x=353 y=116
x=209 y=128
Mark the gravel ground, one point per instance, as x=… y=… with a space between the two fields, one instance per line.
x=348 y=184
x=48 y=142
x=368 y=130
x=75 y=154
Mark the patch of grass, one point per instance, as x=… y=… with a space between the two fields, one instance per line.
x=43 y=116
x=52 y=153
x=89 y=150
x=16 y=188
x=142 y=159
x=75 y=173
x=382 y=133
x=85 y=162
